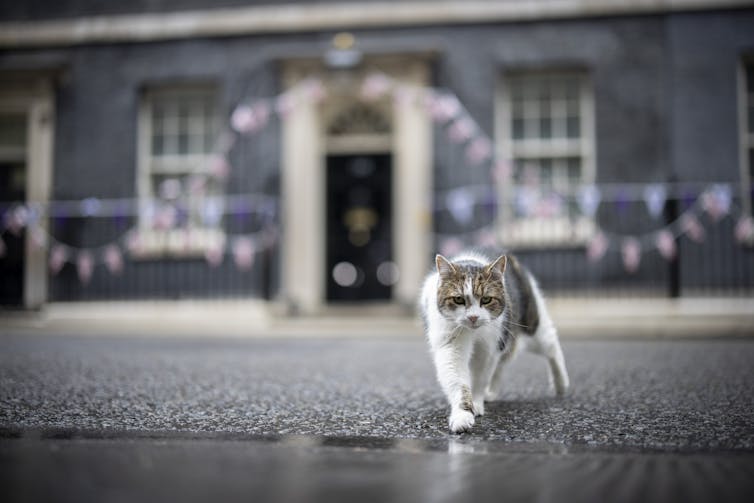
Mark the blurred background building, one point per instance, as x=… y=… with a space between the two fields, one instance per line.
x=315 y=153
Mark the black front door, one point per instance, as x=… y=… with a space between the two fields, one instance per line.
x=359 y=248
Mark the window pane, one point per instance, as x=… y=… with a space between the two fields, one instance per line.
x=170 y=145
x=531 y=128
x=546 y=173
x=158 y=118
x=518 y=129
x=545 y=127
x=573 y=127
x=573 y=165
x=13 y=130
x=517 y=109
x=545 y=107
x=158 y=145
x=571 y=87
x=183 y=143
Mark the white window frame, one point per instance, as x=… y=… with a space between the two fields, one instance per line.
x=544 y=232
x=191 y=240
x=746 y=138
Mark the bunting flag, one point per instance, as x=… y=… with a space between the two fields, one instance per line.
x=502 y=171
x=444 y=107
x=284 y=105
x=314 y=90
x=692 y=228
x=16 y=219
x=526 y=199
x=85 y=266
x=38 y=238
x=716 y=201
x=451 y=246
x=91 y=206
x=589 y=198
x=655 y=196
x=134 y=243
x=58 y=258
x=243 y=253
x=665 y=243
x=631 y=253
x=479 y=150
x=597 y=247
x=460 y=203
x=197 y=185
x=242 y=119
x=375 y=86
x=166 y=217
x=113 y=259
x=219 y=167
x=212 y=212
x=248 y=119
x=745 y=229
x=460 y=130
x=215 y=254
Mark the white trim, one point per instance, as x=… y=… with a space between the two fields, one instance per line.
x=34 y=96
x=305 y=146
x=296 y=18
x=355 y=144
x=539 y=232
x=168 y=243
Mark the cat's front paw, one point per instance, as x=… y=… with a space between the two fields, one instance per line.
x=461 y=421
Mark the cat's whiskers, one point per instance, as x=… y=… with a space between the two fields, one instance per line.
x=517 y=324
x=454 y=333
x=507 y=331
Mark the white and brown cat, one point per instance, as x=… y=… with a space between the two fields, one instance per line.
x=477 y=313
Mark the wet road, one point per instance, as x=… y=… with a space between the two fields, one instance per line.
x=125 y=419
x=310 y=469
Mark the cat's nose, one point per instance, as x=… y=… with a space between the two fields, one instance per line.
x=472 y=318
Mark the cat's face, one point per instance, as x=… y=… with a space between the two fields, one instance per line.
x=469 y=294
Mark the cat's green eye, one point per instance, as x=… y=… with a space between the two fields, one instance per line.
x=485 y=300
x=459 y=300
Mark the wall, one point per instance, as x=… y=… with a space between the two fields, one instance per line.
x=665 y=106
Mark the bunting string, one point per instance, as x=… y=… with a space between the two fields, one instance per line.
x=186 y=217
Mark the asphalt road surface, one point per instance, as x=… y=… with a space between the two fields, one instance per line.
x=145 y=419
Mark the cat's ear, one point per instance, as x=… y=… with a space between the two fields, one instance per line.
x=498 y=264
x=444 y=267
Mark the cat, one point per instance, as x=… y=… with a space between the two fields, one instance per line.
x=477 y=312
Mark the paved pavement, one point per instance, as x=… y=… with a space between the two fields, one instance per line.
x=124 y=419
x=576 y=317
